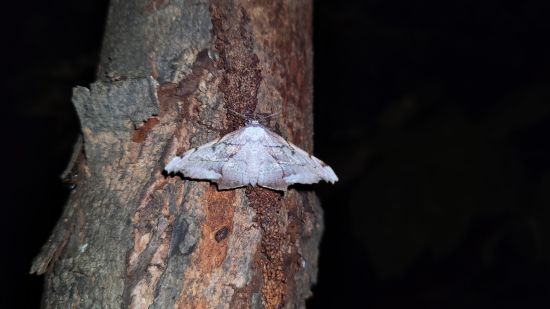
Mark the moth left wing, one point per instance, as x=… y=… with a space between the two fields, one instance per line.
x=206 y=161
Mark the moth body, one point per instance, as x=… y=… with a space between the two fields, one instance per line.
x=252 y=155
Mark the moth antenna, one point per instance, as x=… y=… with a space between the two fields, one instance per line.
x=238 y=114
x=271 y=115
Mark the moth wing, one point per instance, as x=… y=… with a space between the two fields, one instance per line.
x=296 y=164
x=271 y=173
x=206 y=161
x=233 y=172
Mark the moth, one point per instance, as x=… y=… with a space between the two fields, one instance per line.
x=252 y=155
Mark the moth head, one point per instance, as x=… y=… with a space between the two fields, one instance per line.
x=252 y=122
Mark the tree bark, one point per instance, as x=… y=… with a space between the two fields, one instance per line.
x=132 y=236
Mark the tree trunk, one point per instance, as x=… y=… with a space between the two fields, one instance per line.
x=132 y=236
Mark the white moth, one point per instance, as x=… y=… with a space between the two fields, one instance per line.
x=252 y=155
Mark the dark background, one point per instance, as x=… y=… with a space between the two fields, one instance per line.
x=434 y=114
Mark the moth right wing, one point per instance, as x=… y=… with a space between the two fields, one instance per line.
x=296 y=164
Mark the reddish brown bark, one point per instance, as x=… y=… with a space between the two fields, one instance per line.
x=132 y=236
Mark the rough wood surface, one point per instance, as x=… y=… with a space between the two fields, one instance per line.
x=131 y=236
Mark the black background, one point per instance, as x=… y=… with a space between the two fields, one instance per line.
x=434 y=114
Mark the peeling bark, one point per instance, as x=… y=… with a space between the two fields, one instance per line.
x=131 y=236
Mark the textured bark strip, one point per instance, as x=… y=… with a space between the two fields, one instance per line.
x=133 y=237
x=238 y=61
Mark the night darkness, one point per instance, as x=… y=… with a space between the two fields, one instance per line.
x=434 y=114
